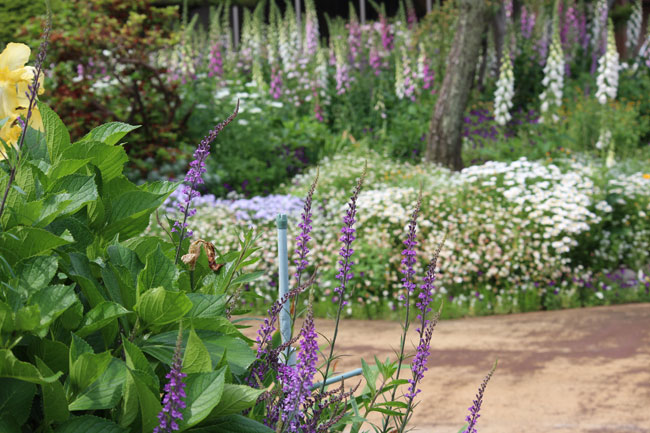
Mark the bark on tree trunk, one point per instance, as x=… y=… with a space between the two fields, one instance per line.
x=444 y=138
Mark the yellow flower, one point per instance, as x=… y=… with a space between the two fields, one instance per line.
x=9 y=133
x=646 y=176
x=15 y=79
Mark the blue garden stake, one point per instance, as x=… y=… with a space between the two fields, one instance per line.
x=283 y=280
x=340 y=377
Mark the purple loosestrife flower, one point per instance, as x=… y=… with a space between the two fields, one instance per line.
x=297 y=380
x=419 y=363
x=409 y=254
x=303 y=237
x=174 y=393
x=265 y=334
x=473 y=416
x=386 y=35
x=194 y=178
x=374 y=59
x=346 y=239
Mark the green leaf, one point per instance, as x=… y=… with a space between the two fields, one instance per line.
x=196 y=358
x=11 y=367
x=370 y=376
x=78 y=347
x=22 y=242
x=148 y=401
x=87 y=368
x=203 y=394
x=27 y=318
x=109 y=133
x=130 y=213
x=105 y=392
x=135 y=359
x=55 y=405
x=37 y=272
x=158 y=271
x=89 y=424
x=79 y=189
x=57 y=136
x=65 y=167
x=16 y=400
x=130 y=404
x=206 y=306
x=122 y=256
x=385 y=411
x=101 y=315
x=159 y=306
x=233 y=424
x=109 y=159
x=398 y=404
x=235 y=398
x=53 y=353
x=53 y=301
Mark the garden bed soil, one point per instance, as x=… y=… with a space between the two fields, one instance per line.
x=579 y=371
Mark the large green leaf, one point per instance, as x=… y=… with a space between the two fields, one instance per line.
x=158 y=271
x=120 y=285
x=136 y=360
x=27 y=318
x=206 y=306
x=53 y=353
x=203 y=394
x=105 y=392
x=101 y=315
x=87 y=368
x=159 y=306
x=37 y=272
x=123 y=256
x=233 y=424
x=148 y=401
x=239 y=354
x=22 y=242
x=130 y=406
x=79 y=189
x=196 y=358
x=235 y=398
x=55 y=405
x=53 y=301
x=89 y=424
x=16 y=400
x=109 y=159
x=130 y=213
x=11 y=367
x=109 y=133
x=57 y=136
x=65 y=167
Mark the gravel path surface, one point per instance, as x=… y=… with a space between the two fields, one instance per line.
x=584 y=370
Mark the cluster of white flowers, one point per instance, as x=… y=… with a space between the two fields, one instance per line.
x=505 y=90
x=608 y=68
x=551 y=97
x=510 y=226
x=634 y=27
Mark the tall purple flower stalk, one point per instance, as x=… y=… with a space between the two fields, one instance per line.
x=527 y=20
x=344 y=275
x=305 y=229
x=297 y=380
x=474 y=415
x=174 y=393
x=265 y=335
x=194 y=178
x=276 y=83
x=409 y=258
x=425 y=331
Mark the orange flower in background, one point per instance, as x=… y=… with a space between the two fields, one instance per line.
x=15 y=79
x=646 y=176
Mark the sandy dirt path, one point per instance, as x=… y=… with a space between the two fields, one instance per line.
x=578 y=371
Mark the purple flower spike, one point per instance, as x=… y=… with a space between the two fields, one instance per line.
x=194 y=178
x=174 y=393
x=409 y=254
x=473 y=416
x=347 y=238
x=302 y=239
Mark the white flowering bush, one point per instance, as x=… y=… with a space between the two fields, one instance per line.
x=519 y=235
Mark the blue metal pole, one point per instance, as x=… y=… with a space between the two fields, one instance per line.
x=338 y=378
x=283 y=277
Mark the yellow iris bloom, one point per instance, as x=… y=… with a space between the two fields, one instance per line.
x=15 y=78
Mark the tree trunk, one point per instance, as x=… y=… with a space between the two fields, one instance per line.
x=444 y=138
